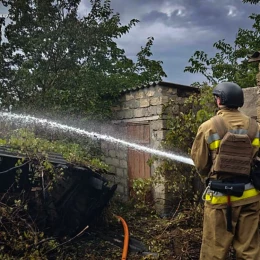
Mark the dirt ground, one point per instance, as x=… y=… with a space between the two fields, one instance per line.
x=151 y=237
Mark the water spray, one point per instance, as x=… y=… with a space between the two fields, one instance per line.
x=26 y=119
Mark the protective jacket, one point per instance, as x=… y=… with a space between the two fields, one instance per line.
x=207 y=142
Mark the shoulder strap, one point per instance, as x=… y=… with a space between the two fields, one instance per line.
x=219 y=125
x=221 y=128
x=252 y=129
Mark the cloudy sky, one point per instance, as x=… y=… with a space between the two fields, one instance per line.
x=180 y=27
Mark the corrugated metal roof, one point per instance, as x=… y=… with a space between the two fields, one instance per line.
x=6 y=151
x=163 y=83
x=55 y=158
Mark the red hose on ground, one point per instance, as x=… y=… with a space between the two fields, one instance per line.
x=126 y=238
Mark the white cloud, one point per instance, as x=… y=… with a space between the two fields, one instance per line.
x=84 y=8
x=168 y=8
x=181 y=12
x=232 y=11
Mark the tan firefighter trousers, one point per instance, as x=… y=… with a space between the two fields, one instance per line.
x=216 y=240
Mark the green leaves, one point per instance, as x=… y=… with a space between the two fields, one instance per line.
x=230 y=61
x=28 y=143
x=55 y=61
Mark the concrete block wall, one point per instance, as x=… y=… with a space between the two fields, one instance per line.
x=143 y=103
x=252 y=100
x=115 y=155
x=138 y=106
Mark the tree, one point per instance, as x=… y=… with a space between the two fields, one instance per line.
x=251 y=1
x=61 y=62
x=230 y=62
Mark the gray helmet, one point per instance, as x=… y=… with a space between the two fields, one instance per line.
x=230 y=94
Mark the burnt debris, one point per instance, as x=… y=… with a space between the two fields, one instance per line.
x=76 y=199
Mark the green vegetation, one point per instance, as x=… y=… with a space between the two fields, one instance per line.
x=230 y=62
x=28 y=143
x=55 y=62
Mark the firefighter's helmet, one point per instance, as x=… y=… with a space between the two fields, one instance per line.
x=230 y=94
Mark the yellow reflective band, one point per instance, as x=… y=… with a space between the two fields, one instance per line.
x=214 y=145
x=223 y=199
x=256 y=142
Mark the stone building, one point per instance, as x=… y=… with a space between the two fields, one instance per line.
x=139 y=118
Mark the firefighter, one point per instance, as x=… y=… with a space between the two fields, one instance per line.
x=229 y=218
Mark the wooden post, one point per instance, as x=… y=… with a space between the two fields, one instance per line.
x=255 y=57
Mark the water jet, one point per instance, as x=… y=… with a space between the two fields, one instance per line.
x=25 y=120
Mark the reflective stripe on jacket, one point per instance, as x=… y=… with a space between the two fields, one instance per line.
x=214 y=140
x=208 y=140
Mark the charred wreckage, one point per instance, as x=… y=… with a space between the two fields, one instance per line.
x=76 y=199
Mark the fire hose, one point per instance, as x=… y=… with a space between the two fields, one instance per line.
x=126 y=238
